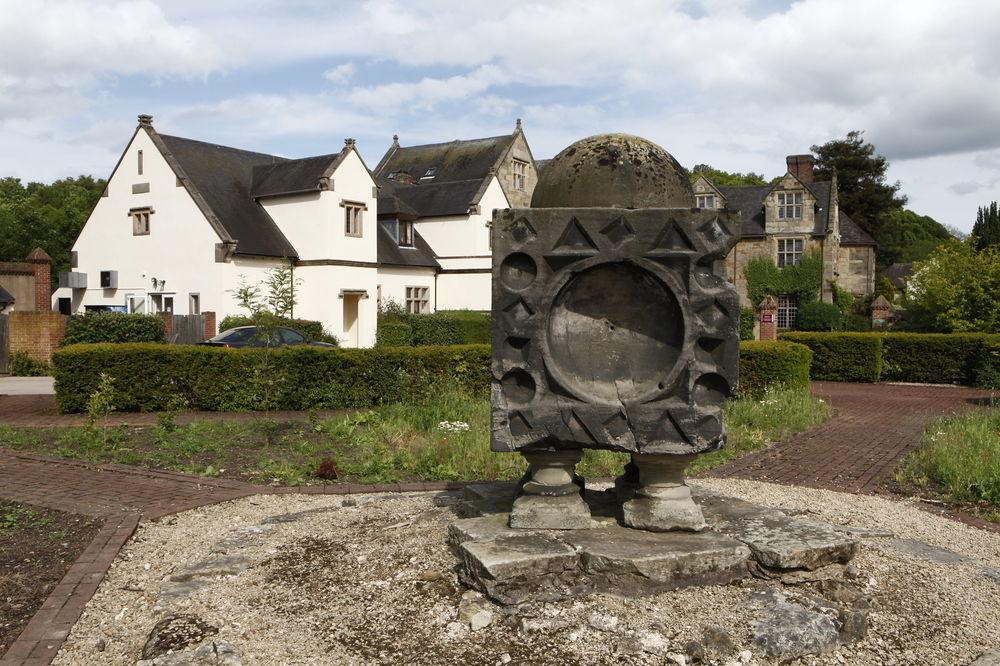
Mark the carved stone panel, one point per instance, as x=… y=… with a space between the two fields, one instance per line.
x=612 y=329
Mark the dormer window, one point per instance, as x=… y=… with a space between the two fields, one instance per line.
x=429 y=173
x=405 y=233
x=705 y=200
x=392 y=175
x=789 y=205
x=520 y=169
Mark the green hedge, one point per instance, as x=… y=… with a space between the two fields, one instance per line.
x=394 y=334
x=313 y=330
x=22 y=365
x=766 y=364
x=148 y=376
x=819 y=316
x=446 y=327
x=112 y=327
x=842 y=357
x=933 y=358
x=748 y=319
x=476 y=327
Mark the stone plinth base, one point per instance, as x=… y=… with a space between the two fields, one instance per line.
x=513 y=566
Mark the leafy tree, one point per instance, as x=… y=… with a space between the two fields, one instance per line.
x=986 y=231
x=49 y=216
x=725 y=178
x=281 y=285
x=956 y=289
x=903 y=236
x=864 y=193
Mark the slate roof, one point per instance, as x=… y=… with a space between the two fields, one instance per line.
x=223 y=176
x=454 y=160
x=293 y=176
x=391 y=205
x=433 y=199
x=391 y=254
x=5 y=297
x=749 y=201
x=897 y=274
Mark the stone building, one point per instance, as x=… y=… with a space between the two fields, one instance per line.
x=788 y=219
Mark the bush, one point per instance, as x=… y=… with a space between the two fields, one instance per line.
x=819 y=316
x=842 y=357
x=391 y=333
x=476 y=327
x=987 y=374
x=772 y=364
x=435 y=329
x=115 y=327
x=22 y=365
x=748 y=318
x=935 y=358
x=151 y=377
x=313 y=330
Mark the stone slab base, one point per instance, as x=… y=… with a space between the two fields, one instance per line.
x=517 y=565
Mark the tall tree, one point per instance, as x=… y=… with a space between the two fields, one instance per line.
x=49 y=216
x=865 y=195
x=721 y=178
x=956 y=289
x=986 y=231
x=906 y=236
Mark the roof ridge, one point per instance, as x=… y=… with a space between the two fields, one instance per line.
x=457 y=141
x=219 y=145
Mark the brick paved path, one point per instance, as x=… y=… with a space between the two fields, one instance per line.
x=875 y=426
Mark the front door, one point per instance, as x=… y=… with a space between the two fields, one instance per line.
x=351 y=320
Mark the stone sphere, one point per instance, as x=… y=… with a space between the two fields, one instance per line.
x=613 y=171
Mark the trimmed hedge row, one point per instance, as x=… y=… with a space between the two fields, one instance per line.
x=313 y=330
x=112 y=327
x=766 y=364
x=934 y=358
x=148 y=377
x=446 y=327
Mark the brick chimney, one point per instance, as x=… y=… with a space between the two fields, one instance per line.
x=801 y=166
x=41 y=265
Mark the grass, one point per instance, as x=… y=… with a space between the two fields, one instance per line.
x=959 y=461
x=439 y=439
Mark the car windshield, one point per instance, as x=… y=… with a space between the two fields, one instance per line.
x=236 y=335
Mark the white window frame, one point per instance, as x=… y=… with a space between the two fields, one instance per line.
x=194 y=303
x=790 y=252
x=354 y=224
x=790 y=205
x=788 y=311
x=140 y=220
x=520 y=171
x=704 y=200
x=418 y=300
x=405 y=235
x=129 y=305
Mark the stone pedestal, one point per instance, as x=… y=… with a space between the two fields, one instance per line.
x=550 y=493
x=654 y=496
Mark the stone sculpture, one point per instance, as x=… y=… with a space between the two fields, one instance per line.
x=613 y=328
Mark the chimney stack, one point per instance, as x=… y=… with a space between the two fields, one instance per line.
x=145 y=120
x=801 y=166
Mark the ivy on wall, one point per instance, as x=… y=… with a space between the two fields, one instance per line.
x=765 y=278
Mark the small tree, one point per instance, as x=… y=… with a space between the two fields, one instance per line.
x=281 y=284
x=956 y=289
x=986 y=231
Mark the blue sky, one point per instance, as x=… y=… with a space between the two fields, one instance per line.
x=737 y=84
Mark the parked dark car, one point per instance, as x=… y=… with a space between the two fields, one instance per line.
x=248 y=336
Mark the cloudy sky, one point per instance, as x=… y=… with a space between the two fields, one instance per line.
x=737 y=84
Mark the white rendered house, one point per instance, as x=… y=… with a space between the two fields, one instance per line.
x=182 y=224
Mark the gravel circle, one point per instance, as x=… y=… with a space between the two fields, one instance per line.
x=369 y=579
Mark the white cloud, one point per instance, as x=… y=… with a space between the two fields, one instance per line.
x=427 y=92
x=342 y=73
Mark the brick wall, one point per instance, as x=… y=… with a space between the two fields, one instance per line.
x=36 y=334
x=41 y=266
x=209 y=325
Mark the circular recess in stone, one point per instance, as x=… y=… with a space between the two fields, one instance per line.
x=518 y=271
x=710 y=390
x=615 y=330
x=518 y=386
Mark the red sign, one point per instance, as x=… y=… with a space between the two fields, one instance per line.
x=767 y=318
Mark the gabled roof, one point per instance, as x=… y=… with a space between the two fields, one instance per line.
x=852 y=234
x=391 y=205
x=219 y=178
x=454 y=160
x=294 y=176
x=391 y=254
x=435 y=199
x=898 y=273
x=5 y=297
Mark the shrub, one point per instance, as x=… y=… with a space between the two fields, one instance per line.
x=935 y=358
x=842 y=357
x=313 y=330
x=819 y=316
x=748 y=318
x=987 y=371
x=112 y=327
x=22 y=365
x=476 y=326
x=772 y=364
x=392 y=333
x=435 y=329
x=149 y=377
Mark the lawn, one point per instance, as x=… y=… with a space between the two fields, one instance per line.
x=959 y=462
x=442 y=438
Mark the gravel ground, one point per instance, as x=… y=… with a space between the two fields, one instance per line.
x=369 y=580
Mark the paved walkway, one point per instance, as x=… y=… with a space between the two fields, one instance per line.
x=875 y=426
x=27 y=386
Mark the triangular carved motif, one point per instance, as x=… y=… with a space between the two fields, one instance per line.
x=519 y=311
x=672 y=237
x=521 y=230
x=618 y=231
x=519 y=424
x=574 y=240
x=581 y=433
x=714 y=230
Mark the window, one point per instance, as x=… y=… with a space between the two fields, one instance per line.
x=789 y=205
x=140 y=162
x=140 y=221
x=788 y=310
x=161 y=303
x=705 y=201
x=418 y=300
x=290 y=337
x=135 y=303
x=520 y=171
x=352 y=218
x=194 y=303
x=789 y=252
x=429 y=173
x=405 y=233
